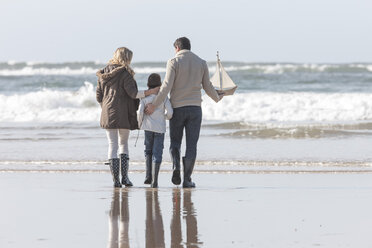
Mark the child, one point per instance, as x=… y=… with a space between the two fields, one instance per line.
x=154 y=126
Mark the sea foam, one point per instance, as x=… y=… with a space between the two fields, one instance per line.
x=80 y=106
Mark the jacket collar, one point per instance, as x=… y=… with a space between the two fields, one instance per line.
x=106 y=77
x=183 y=51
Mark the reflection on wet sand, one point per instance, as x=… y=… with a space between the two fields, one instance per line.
x=118 y=232
x=189 y=214
x=192 y=238
x=154 y=220
x=175 y=228
x=154 y=232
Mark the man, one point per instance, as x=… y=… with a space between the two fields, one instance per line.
x=186 y=75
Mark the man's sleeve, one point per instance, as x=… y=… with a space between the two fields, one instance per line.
x=207 y=85
x=167 y=84
x=168 y=108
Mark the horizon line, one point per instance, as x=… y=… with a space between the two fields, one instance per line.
x=12 y=62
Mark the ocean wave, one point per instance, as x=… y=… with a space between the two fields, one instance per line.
x=262 y=107
x=51 y=106
x=12 y=68
x=258 y=126
x=291 y=130
x=30 y=71
x=296 y=133
x=146 y=70
x=288 y=68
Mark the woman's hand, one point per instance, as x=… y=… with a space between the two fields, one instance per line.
x=155 y=90
x=152 y=91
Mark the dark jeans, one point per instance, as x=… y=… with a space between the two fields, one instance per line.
x=154 y=144
x=188 y=118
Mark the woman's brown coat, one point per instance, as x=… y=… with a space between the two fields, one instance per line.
x=116 y=92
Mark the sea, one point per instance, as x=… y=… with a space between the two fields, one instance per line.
x=283 y=115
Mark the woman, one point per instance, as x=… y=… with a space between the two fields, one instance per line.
x=117 y=93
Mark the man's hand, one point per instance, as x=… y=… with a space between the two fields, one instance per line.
x=220 y=94
x=149 y=109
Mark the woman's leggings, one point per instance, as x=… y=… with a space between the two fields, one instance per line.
x=117 y=139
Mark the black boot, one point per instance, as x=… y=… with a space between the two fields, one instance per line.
x=188 y=167
x=115 y=171
x=148 y=178
x=175 y=155
x=124 y=161
x=155 y=173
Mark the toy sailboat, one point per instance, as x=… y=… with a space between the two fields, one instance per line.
x=221 y=80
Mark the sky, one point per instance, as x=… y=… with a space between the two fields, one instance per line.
x=304 y=31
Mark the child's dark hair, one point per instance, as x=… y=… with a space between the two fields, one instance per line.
x=153 y=81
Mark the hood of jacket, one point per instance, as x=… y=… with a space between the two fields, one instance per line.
x=107 y=74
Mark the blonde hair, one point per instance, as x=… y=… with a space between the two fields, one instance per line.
x=123 y=56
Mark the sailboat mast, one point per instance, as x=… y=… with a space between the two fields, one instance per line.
x=219 y=70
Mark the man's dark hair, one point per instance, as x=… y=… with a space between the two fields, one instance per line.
x=182 y=43
x=153 y=81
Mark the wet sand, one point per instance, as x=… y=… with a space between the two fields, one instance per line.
x=225 y=210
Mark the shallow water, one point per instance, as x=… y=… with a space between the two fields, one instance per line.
x=85 y=145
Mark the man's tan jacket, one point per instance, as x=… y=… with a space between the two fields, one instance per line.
x=186 y=75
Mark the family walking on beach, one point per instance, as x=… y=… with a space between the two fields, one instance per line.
x=119 y=97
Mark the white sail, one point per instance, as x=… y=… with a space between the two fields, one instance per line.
x=222 y=81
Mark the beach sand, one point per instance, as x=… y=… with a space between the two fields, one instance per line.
x=70 y=209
